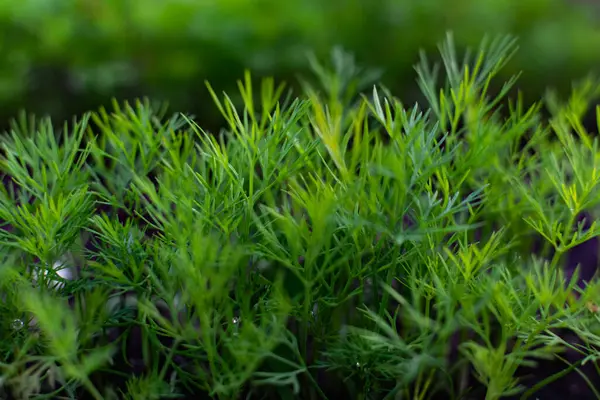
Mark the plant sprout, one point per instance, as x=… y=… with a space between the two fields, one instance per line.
x=335 y=244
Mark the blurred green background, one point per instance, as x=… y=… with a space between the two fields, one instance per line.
x=62 y=57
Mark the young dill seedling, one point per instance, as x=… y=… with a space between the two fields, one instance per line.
x=339 y=244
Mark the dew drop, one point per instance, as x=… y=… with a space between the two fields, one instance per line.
x=315 y=311
x=236 y=322
x=17 y=324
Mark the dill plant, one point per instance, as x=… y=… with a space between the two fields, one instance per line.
x=335 y=244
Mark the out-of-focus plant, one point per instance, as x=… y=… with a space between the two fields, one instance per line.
x=64 y=57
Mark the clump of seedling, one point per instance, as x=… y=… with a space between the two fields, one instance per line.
x=334 y=245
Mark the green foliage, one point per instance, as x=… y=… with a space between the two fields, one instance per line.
x=331 y=233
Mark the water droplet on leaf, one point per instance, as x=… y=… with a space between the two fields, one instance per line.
x=17 y=324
